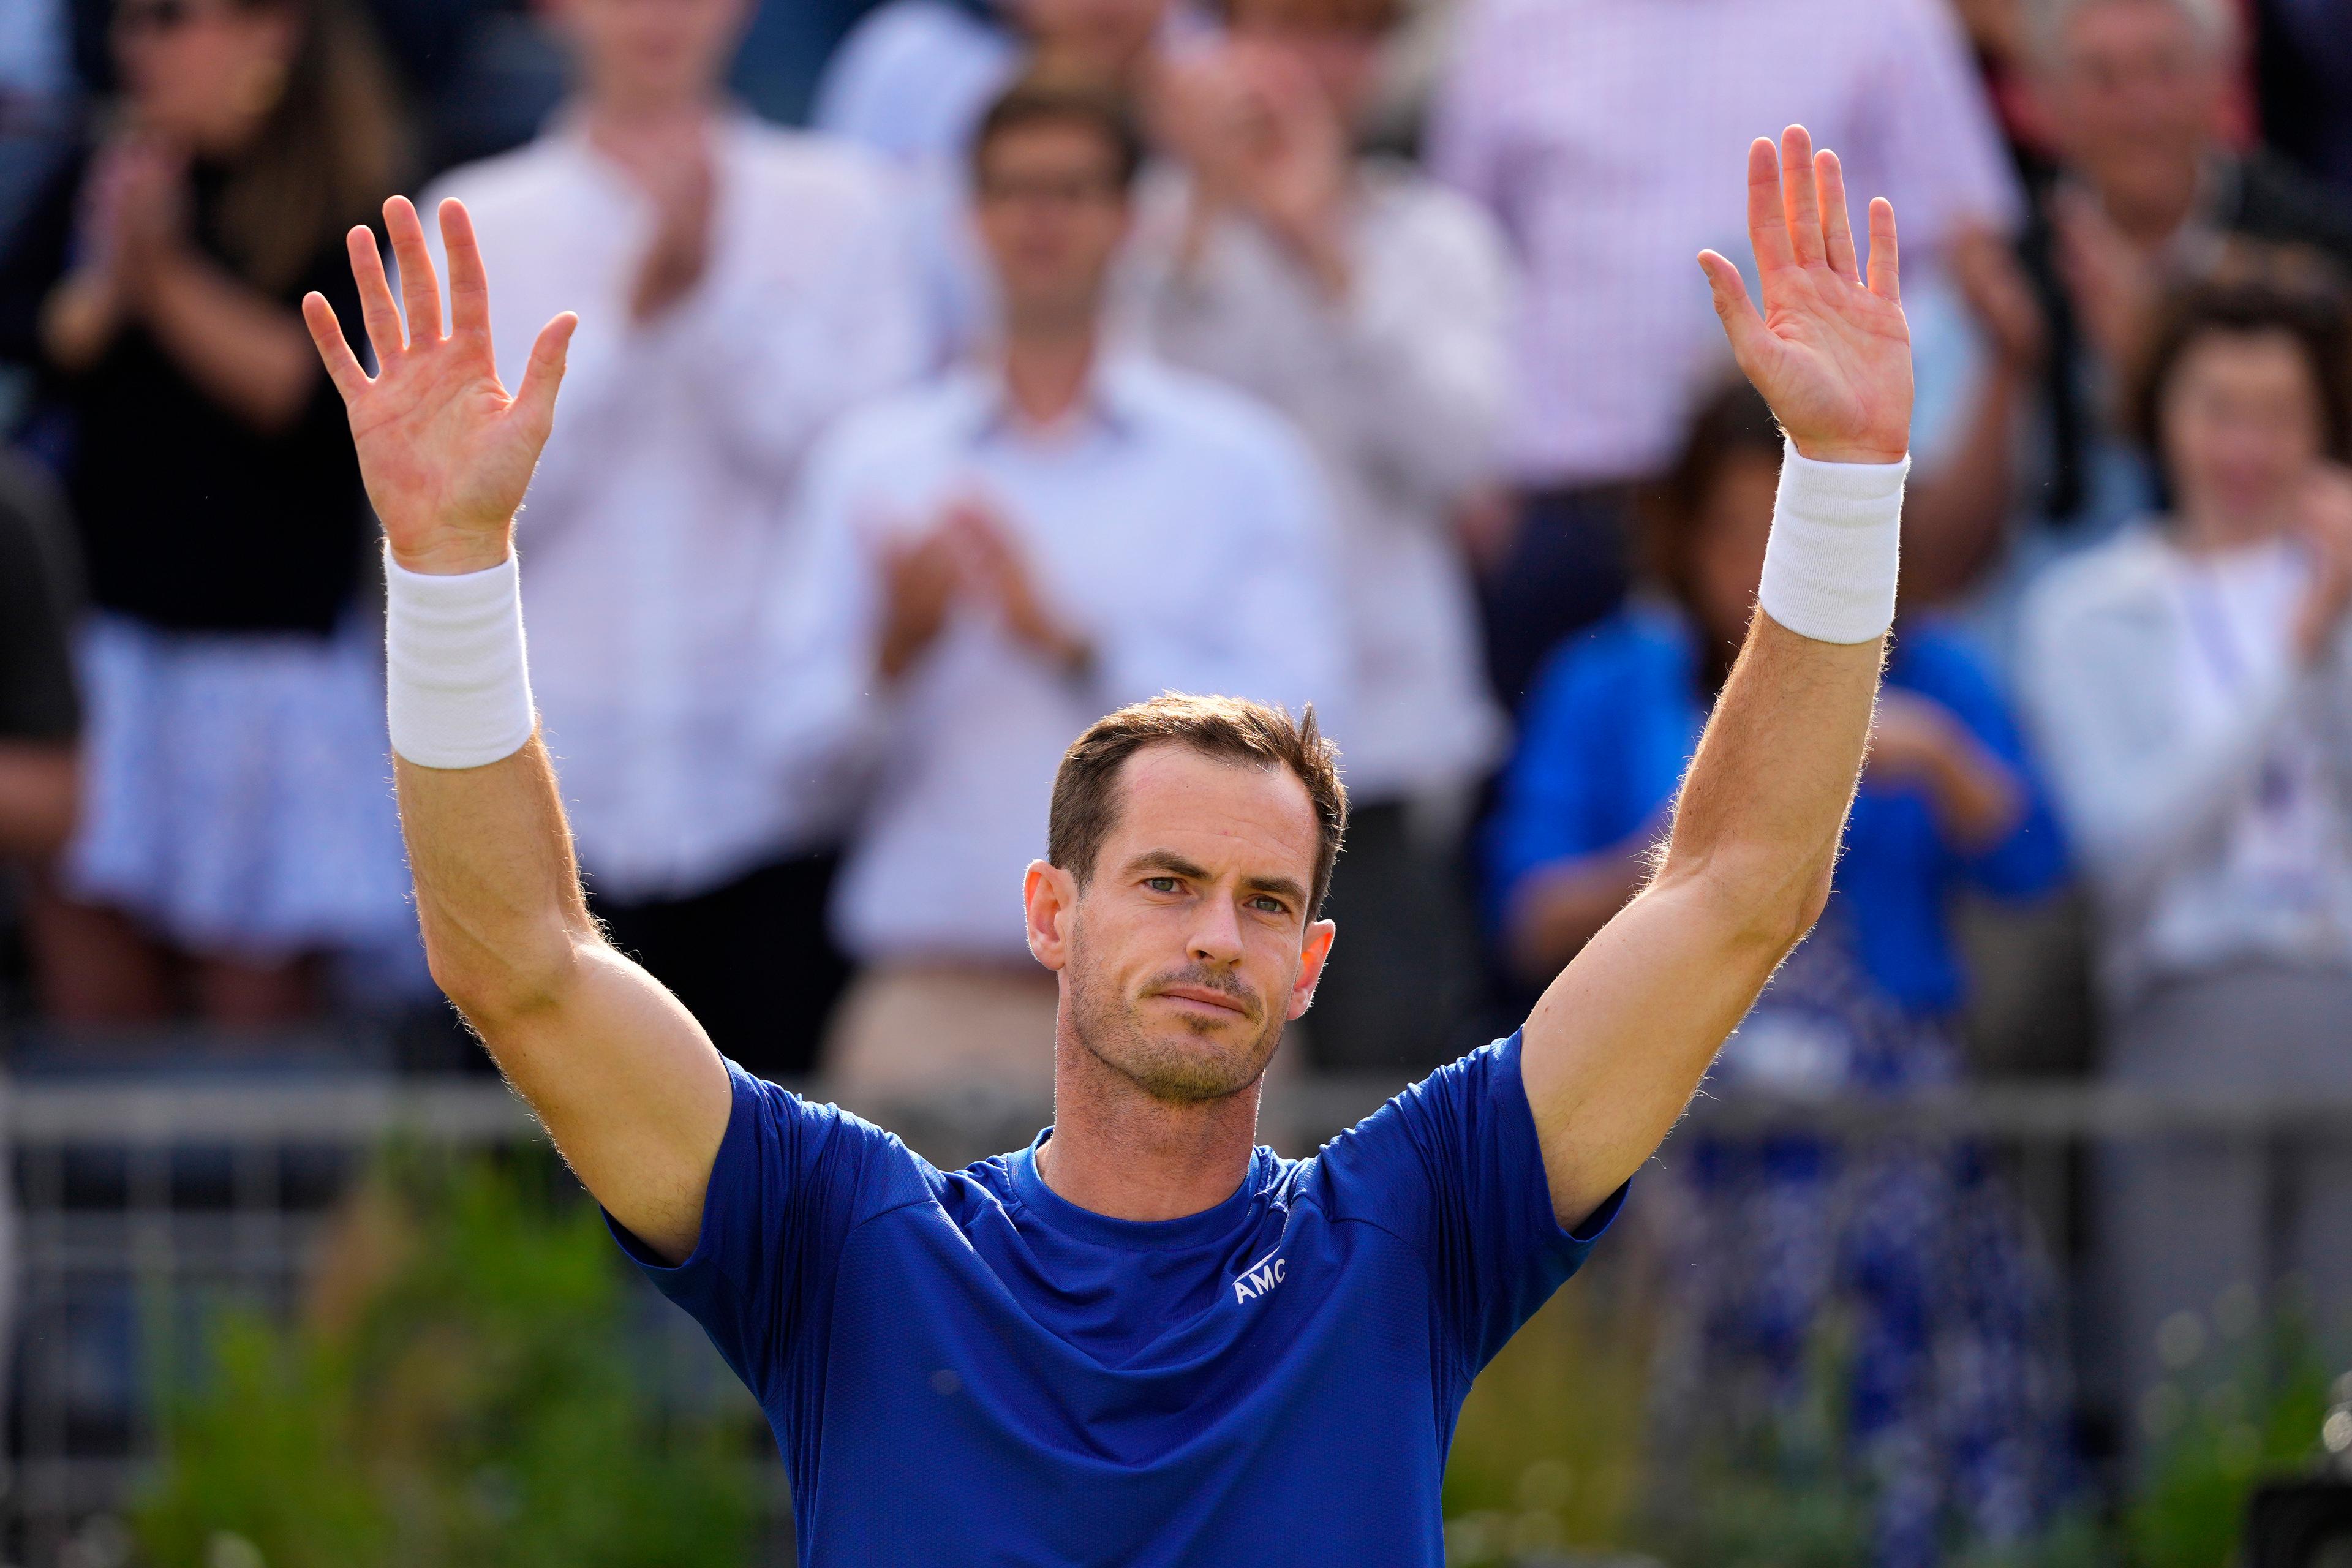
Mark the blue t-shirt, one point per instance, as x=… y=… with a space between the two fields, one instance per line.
x=962 y=1368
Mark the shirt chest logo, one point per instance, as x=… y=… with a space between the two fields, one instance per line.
x=1259 y=1277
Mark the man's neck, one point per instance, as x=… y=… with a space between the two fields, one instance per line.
x=1117 y=1152
x=1046 y=366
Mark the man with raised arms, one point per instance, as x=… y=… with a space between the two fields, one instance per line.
x=1141 y=1340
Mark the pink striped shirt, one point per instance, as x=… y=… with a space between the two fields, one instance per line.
x=1610 y=137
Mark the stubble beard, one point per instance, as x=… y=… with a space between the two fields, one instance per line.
x=1111 y=1029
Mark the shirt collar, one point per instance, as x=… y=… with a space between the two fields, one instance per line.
x=1116 y=397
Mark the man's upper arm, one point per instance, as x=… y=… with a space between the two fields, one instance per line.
x=1453 y=1168
x=787 y=1183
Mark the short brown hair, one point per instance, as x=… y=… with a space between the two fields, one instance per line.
x=2252 y=288
x=1231 y=729
x=1052 y=100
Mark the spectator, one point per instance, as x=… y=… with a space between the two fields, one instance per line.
x=1953 y=1409
x=1609 y=146
x=1007 y=553
x=913 y=77
x=1369 y=304
x=2136 y=96
x=738 y=285
x=2193 y=688
x=237 y=823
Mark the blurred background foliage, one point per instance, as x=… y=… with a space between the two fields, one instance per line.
x=465 y=1386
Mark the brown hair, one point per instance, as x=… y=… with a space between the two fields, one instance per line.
x=2251 y=288
x=330 y=150
x=1230 y=729
x=1047 y=100
x=1733 y=421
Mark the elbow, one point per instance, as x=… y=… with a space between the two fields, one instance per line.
x=1761 y=905
x=498 y=984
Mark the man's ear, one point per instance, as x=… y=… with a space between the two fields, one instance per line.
x=1320 y=934
x=1049 y=898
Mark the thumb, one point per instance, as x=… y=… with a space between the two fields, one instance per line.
x=535 y=401
x=1741 y=324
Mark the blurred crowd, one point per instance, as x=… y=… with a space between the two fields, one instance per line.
x=1350 y=352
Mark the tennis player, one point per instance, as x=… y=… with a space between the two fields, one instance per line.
x=1142 y=1339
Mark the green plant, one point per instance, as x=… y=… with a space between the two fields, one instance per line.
x=460 y=1393
x=2256 y=1414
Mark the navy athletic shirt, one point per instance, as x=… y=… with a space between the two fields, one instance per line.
x=963 y=1368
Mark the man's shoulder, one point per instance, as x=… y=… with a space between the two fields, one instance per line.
x=902 y=425
x=804 y=167
x=537 y=174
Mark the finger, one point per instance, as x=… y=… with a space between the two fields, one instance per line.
x=376 y=308
x=1768 y=225
x=343 y=365
x=536 y=401
x=420 y=291
x=1741 y=324
x=1884 y=263
x=1799 y=196
x=469 y=287
x=1837 y=225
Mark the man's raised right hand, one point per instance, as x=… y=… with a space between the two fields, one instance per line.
x=446 y=450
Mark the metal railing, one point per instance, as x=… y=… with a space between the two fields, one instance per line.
x=136 y=1192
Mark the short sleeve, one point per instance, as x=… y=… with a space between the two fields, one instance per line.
x=790 y=1181
x=1453 y=1169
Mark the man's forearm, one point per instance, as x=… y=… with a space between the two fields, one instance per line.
x=498 y=890
x=1765 y=802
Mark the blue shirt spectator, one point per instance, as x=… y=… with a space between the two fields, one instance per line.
x=1612 y=722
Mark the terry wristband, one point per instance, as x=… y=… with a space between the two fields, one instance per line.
x=1829 y=567
x=459 y=693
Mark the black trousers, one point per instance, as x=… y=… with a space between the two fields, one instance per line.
x=751 y=960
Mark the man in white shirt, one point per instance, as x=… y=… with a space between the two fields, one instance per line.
x=1591 y=128
x=1007 y=553
x=737 y=287
x=1371 y=305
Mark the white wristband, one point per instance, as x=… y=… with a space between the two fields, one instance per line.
x=1830 y=567
x=459 y=692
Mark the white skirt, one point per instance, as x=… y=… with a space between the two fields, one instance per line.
x=236 y=792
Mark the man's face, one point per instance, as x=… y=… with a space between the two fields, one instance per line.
x=1051 y=212
x=1189 y=945
x=653 y=51
x=2134 y=97
x=1338 y=44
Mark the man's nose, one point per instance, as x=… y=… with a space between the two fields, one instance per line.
x=1217 y=933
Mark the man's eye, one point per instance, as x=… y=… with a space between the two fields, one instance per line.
x=1160 y=884
x=1272 y=906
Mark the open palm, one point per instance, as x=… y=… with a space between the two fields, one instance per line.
x=446 y=452
x=1831 y=353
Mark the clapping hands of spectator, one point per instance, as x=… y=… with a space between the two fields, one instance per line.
x=1999 y=297
x=2326 y=520
x=970 y=557
x=2111 y=281
x=671 y=165
x=1259 y=134
x=1919 y=743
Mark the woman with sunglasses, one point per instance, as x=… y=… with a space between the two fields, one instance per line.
x=235 y=825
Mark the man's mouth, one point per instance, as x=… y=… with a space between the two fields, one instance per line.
x=1206 y=997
